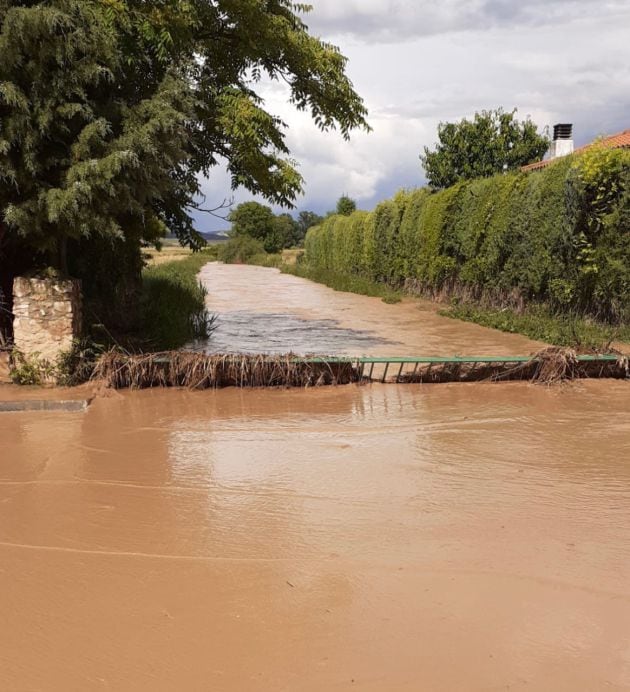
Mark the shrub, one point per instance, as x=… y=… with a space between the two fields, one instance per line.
x=240 y=249
x=559 y=236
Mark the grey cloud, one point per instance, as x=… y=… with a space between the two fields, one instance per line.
x=557 y=61
x=402 y=20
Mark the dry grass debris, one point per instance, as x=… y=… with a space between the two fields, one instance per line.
x=550 y=366
x=121 y=370
x=201 y=371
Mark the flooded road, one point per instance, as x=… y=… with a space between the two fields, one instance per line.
x=374 y=538
x=377 y=538
x=261 y=310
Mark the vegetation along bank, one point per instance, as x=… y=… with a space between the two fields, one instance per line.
x=544 y=253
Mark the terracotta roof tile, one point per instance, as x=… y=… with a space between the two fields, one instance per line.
x=618 y=141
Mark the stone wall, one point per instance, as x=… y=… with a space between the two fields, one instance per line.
x=47 y=316
x=5 y=369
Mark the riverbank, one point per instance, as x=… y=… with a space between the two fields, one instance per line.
x=173 y=310
x=343 y=282
x=540 y=323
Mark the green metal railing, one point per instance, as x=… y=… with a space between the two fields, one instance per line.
x=361 y=362
x=377 y=368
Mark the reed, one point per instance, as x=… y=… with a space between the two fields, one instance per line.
x=173 y=309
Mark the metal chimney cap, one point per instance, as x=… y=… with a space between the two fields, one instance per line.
x=563 y=131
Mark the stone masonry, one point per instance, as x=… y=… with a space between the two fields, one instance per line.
x=47 y=316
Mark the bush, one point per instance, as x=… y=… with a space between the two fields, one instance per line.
x=240 y=250
x=559 y=236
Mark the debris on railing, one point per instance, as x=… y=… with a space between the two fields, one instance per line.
x=203 y=371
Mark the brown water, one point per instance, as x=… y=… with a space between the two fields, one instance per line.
x=261 y=310
x=387 y=537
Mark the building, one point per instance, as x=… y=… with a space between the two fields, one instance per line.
x=562 y=145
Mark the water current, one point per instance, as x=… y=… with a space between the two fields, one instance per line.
x=378 y=538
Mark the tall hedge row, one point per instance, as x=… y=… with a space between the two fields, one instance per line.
x=560 y=235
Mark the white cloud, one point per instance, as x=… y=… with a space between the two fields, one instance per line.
x=558 y=60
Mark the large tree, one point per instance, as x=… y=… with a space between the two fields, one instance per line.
x=252 y=219
x=285 y=232
x=492 y=142
x=111 y=110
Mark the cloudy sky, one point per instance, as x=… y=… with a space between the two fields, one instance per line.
x=419 y=62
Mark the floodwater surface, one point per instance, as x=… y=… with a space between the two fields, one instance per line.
x=261 y=310
x=375 y=538
x=405 y=537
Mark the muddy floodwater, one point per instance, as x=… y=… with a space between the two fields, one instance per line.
x=377 y=538
x=260 y=310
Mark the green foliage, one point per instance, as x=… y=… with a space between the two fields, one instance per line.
x=492 y=142
x=71 y=368
x=252 y=219
x=600 y=200
x=240 y=249
x=76 y=366
x=559 y=236
x=111 y=111
x=343 y=282
x=259 y=222
x=77 y=158
x=538 y=322
x=345 y=205
x=173 y=310
x=31 y=370
x=306 y=220
x=285 y=233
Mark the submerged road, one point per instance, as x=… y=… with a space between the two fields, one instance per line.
x=261 y=310
x=378 y=538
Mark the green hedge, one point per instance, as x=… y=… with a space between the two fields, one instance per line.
x=560 y=236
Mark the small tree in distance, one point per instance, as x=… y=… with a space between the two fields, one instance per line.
x=252 y=219
x=346 y=205
x=306 y=220
x=259 y=222
x=494 y=141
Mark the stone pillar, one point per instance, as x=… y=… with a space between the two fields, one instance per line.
x=47 y=316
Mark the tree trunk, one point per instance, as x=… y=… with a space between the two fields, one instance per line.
x=63 y=255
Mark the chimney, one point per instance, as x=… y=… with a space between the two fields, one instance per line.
x=562 y=140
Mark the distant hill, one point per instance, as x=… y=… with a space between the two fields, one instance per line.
x=216 y=236
x=211 y=236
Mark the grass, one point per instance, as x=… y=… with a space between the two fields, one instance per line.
x=292 y=255
x=540 y=323
x=173 y=310
x=264 y=259
x=343 y=282
x=168 y=253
